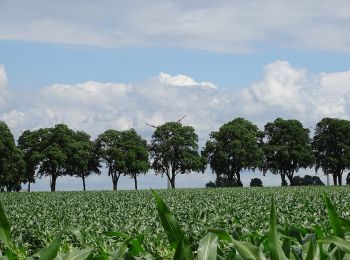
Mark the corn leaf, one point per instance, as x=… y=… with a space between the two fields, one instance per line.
x=342 y=244
x=50 y=252
x=276 y=251
x=5 y=229
x=208 y=245
x=76 y=254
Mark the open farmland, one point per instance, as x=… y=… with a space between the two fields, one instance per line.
x=36 y=218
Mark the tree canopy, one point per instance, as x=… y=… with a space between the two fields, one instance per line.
x=136 y=154
x=54 y=152
x=283 y=148
x=331 y=145
x=83 y=157
x=30 y=144
x=287 y=148
x=12 y=164
x=174 y=150
x=233 y=148
x=123 y=152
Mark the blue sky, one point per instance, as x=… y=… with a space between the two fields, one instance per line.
x=34 y=65
x=96 y=65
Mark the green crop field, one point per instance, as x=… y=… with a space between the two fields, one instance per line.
x=89 y=219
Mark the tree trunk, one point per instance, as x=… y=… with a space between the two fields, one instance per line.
x=171 y=178
x=239 y=182
x=28 y=186
x=290 y=178
x=334 y=179
x=53 y=182
x=172 y=181
x=283 y=178
x=115 y=178
x=339 y=179
x=84 y=187
x=135 y=181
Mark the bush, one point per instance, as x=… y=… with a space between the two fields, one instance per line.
x=222 y=182
x=307 y=180
x=256 y=182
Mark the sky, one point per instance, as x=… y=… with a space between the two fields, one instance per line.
x=98 y=65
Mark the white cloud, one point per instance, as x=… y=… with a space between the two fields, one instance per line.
x=228 y=26
x=14 y=119
x=281 y=86
x=335 y=83
x=3 y=85
x=93 y=106
x=183 y=80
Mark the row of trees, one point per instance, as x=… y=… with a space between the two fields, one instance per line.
x=282 y=148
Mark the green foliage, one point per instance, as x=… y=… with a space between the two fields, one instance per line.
x=12 y=165
x=83 y=157
x=176 y=236
x=208 y=247
x=234 y=148
x=243 y=229
x=174 y=150
x=287 y=148
x=276 y=251
x=331 y=146
x=54 y=152
x=110 y=148
x=123 y=152
x=5 y=235
x=30 y=144
x=136 y=154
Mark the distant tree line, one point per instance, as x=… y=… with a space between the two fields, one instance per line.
x=282 y=148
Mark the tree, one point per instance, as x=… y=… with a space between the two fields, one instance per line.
x=110 y=150
x=287 y=148
x=83 y=158
x=233 y=148
x=136 y=154
x=331 y=145
x=256 y=182
x=54 y=150
x=29 y=143
x=174 y=151
x=348 y=179
x=12 y=165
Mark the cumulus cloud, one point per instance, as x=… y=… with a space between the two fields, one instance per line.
x=282 y=91
x=225 y=26
x=183 y=80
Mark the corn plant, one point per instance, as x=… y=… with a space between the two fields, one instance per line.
x=179 y=237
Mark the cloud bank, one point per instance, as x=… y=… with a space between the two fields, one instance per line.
x=224 y=25
x=282 y=91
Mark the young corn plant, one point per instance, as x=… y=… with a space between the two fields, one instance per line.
x=292 y=243
x=281 y=242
